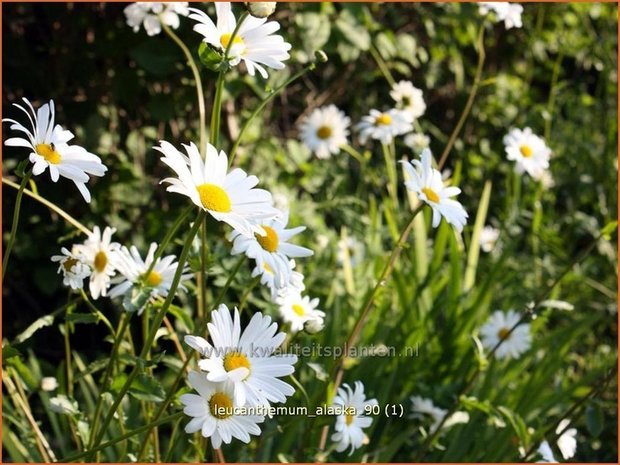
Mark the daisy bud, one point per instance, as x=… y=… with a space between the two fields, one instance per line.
x=314 y=326
x=261 y=9
x=49 y=383
x=320 y=56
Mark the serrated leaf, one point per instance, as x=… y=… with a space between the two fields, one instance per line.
x=42 y=322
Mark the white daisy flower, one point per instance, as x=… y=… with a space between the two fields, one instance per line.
x=567 y=442
x=425 y=408
x=510 y=13
x=409 y=99
x=254 y=42
x=73 y=268
x=272 y=248
x=49 y=383
x=49 y=148
x=353 y=419
x=268 y=278
x=152 y=14
x=546 y=453
x=297 y=310
x=528 y=150
x=215 y=412
x=497 y=329
x=427 y=183
x=353 y=248
x=488 y=238
x=383 y=126
x=130 y=265
x=98 y=252
x=417 y=141
x=325 y=130
x=246 y=359
x=230 y=198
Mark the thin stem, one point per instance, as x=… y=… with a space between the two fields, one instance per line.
x=18 y=204
x=390 y=166
x=229 y=281
x=470 y=99
x=122 y=437
x=199 y=92
x=51 y=206
x=261 y=105
x=156 y=324
x=367 y=307
x=382 y=65
x=98 y=313
x=354 y=153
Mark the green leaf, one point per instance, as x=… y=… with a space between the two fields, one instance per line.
x=42 y=322
x=147 y=388
x=608 y=230
x=211 y=58
x=85 y=318
x=595 y=420
x=9 y=352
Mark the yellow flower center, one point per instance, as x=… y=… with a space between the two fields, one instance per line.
x=154 y=279
x=234 y=360
x=299 y=309
x=69 y=263
x=526 y=151
x=383 y=120
x=348 y=419
x=225 y=40
x=324 y=132
x=214 y=198
x=221 y=405
x=101 y=260
x=431 y=194
x=503 y=334
x=48 y=151
x=270 y=241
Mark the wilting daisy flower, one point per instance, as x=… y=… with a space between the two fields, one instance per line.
x=152 y=14
x=426 y=182
x=230 y=198
x=268 y=278
x=510 y=13
x=409 y=99
x=98 y=253
x=351 y=422
x=297 y=310
x=246 y=359
x=49 y=148
x=254 y=42
x=325 y=130
x=528 y=150
x=73 y=268
x=352 y=248
x=215 y=412
x=488 y=238
x=417 y=141
x=425 y=408
x=64 y=405
x=497 y=329
x=271 y=250
x=133 y=268
x=383 y=126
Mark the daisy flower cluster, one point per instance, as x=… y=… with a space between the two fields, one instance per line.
x=509 y=13
x=151 y=15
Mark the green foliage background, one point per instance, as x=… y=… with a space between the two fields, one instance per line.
x=122 y=92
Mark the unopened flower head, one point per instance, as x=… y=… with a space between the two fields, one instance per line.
x=488 y=238
x=497 y=329
x=261 y=9
x=325 y=130
x=510 y=13
x=354 y=419
x=409 y=99
x=529 y=151
x=270 y=247
x=297 y=309
x=383 y=126
x=228 y=197
x=73 y=267
x=98 y=253
x=427 y=183
x=134 y=270
x=246 y=358
x=49 y=383
x=49 y=148
x=254 y=43
x=215 y=412
x=151 y=15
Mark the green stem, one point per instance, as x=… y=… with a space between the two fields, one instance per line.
x=354 y=153
x=156 y=324
x=390 y=166
x=261 y=105
x=382 y=65
x=229 y=281
x=18 y=204
x=127 y=435
x=96 y=311
x=199 y=92
x=470 y=99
